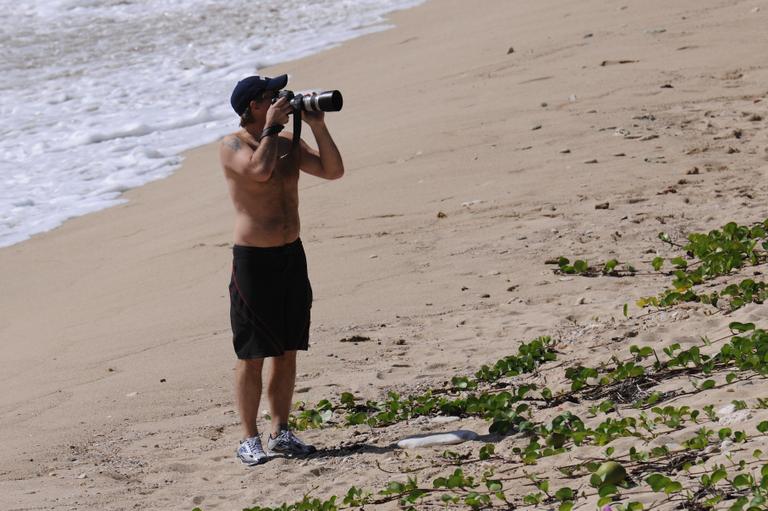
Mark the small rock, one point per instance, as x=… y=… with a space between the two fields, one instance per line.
x=572 y=98
x=400 y=342
x=372 y=256
x=593 y=160
x=580 y=301
x=440 y=214
x=544 y=104
x=486 y=295
x=82 y=476
x=131 y=394
x=510 y=50
x=655 y=30
x=667 y=86
x=536 y=127
x=565 y=151
x=602 y=205
x=693 y=171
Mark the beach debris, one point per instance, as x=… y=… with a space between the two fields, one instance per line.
x=580 y=301
x=82 y=476
x=730 y=415
x=131 y=394
x=732 y=150
x=617 y=62
x=356 y=339
x=162 y=380
x=593 y=160
x=451 y=438
x=444 y=419
x=621 y=132
x=440 y=214
x=536 y=127
x=511 y=50
x=648 y=137
x=485 y=295
x=619 y=154
x=400 y=342
x=513 y=288
x=655 y=30
x=471 y=203
x=544 y=104
x=565 y=151
x=667 y=86
x=572 y=98
x=693 y=171
x=588 y=35
x=602 y=205
x=372 y=256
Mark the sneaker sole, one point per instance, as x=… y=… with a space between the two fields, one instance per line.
x=252 y=463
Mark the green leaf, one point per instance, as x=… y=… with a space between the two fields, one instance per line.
x=657 y=263
x=580 y=266
x=679 y=262
x=657 y=481
x=564 y=494
x=762 y=427
x=741 y=327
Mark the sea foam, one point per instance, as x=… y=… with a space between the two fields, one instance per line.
x=100 y=96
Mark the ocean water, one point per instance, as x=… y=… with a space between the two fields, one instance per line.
x=100 y=96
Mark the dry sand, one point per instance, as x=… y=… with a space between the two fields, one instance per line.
x=117 y=364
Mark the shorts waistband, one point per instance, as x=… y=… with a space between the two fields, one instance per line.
x=246 y=250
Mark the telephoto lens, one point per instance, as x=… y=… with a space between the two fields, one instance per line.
x=328 y=101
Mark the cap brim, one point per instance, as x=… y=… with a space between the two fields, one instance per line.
x=277 y=82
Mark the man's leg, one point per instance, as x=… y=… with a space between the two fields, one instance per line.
x=248 y=390
x=280 y=390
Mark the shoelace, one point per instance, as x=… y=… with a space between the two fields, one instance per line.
x=254 y=444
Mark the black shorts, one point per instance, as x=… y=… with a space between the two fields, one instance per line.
x=270 y=300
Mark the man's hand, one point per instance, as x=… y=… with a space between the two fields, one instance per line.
x=314 y=119
x=278 y=112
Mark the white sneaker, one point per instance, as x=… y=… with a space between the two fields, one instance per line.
x=250 y=451
x=288 y=443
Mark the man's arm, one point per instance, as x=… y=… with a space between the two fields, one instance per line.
x=241 y=159
x=260 y=163
x=326 y=161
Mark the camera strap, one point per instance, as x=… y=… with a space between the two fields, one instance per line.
x=296 y=132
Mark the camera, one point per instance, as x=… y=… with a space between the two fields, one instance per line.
x=328 y=101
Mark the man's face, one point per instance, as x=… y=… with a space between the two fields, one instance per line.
x=267 y=96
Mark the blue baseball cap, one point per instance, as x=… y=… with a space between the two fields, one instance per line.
x=248 y=88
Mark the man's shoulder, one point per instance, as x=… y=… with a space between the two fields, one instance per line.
x=232 y=142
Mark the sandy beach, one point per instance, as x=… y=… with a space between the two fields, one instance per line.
x=482 y=141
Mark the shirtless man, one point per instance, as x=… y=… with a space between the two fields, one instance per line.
x=269 y=290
